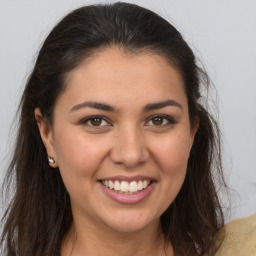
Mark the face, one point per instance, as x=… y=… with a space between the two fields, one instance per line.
x=121 y=137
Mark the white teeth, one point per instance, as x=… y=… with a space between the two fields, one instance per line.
x=110 y=184
x=117 y=185
x=125 y=187
x=145 y=183
x=133 y=186
x=140 y=185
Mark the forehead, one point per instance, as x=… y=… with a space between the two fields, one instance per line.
x=120 y=77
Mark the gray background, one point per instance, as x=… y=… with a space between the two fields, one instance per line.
x=223 y=36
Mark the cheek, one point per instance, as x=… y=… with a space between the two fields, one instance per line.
x=172 y=155
x=172 y=152
x=79 y=158
x=79 y=155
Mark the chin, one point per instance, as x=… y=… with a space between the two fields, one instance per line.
x=129 y=223
x=127 y=227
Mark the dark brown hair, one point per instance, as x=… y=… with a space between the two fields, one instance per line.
x=39 y=214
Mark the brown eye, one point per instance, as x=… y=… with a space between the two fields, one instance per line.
x=96 y=121
x=161 y=121
x=158 y=120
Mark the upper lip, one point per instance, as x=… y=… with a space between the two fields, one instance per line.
x=129 y=179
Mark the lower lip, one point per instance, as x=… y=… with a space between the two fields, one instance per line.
x=129 y=198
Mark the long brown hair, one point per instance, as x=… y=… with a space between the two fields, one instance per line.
x=39 y=214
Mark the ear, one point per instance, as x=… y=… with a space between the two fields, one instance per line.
x=194 y=130
x=47 y=137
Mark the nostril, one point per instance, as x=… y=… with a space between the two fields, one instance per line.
x=128 y=160
x=128 y=155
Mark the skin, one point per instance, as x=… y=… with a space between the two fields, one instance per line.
x=127 y=142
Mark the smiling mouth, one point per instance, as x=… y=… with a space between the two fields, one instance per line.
x=125 y=187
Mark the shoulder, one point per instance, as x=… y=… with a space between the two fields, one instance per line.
x=238 y=238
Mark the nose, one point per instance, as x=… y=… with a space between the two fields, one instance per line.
x=129 y=148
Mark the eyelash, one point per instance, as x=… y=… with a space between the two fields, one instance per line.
x=89 y=119
x=170 y=120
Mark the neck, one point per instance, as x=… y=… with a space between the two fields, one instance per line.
x=95 y=241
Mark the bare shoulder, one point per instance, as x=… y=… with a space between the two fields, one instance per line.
x=238 y=238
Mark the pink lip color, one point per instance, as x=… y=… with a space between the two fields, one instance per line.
x=128 y=198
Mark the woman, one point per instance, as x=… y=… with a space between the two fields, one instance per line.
x=115 y=154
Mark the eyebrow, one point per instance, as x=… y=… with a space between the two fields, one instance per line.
x=109 y=108
x=96 y=105
x=162 y=104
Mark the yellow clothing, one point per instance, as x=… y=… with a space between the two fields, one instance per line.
x=239 y=238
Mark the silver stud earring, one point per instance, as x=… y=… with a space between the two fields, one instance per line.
x=51 y=160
